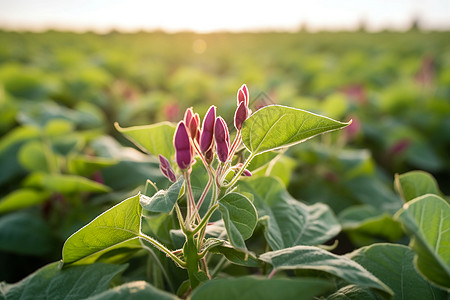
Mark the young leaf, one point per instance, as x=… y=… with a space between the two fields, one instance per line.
x=116 y=228
x=393 y=264
x=289 y=222
x=275 y=126
x=22 y=198
x=240 y=218
x=313 y=258
x=163 y=200
x=254 y=287
x=237 y=257
x=51 y=282
x=155 y=139
x=134 y=290
x=414 y=184
x=426 y=220
x=64 y=184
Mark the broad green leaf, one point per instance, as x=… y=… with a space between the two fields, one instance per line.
x=116 y=228
x=354 y=292
x=136 y=290
x=25 y=233
x=237 y=257
x=35 y=156
x=65 y=184
x=22 y=198
x=414 y=184
x=86 y=166
x=426 y=219
x=274 y=127
x=287 y=221
x=18 y=135
x=239 y=216
x=57 y=127
x=155 y=139
x=52 y=282
x=163 y=200
x=254 y=287
x=313 y=258
x=393 y=264
x=365 y=225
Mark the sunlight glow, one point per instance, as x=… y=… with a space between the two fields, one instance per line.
x=234 y=15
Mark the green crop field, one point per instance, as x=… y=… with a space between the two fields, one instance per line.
x=63 y=161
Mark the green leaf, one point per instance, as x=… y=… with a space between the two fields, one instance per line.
x=313 y=258
x=240 y=218
x=116 y=228
x=274 y=126
x=365 y=225
x=426 y=219
x=414 y=184
x=237 y=257
x=136 y=290
x=354 y=292
x=86 y=165
x=253 y=287
x=155 y=139
x=163 y=200
x=34 y=156
x=22 y=198
x=26 y=234
x=393 y=264
x=65 y=184
x=50 y=282
x=287 y=221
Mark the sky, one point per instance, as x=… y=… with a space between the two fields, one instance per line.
x=233 y=15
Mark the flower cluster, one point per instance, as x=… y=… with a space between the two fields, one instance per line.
x=210 y=140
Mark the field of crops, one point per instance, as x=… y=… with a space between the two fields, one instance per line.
x=63 y=161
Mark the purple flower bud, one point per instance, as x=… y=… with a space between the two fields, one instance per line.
x=194 y=126
x=247 y=173
x=166 y=169
x=183 y=148
x=242 y=95
x=188 y=114
x=209 y=155
x=206 y=137
x=222 y=137
x=240 y=116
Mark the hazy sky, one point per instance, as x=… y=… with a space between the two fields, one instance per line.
x=205 y=16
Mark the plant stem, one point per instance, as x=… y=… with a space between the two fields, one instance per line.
x=218 y=267
x=192 y=259
x=161 y=247
x=205 y=219
x=238 y=174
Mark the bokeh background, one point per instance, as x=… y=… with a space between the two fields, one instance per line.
x=70 y=69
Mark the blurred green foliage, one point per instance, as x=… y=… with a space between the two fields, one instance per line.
x=61 y=92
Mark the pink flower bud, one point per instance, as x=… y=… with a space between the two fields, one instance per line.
x=240 y=116
x=194 y=126
x=206 y=137
x=242 y=95
x=222 y=137
x=247 y=173
x=209 y=155
x=183 y=148
x=166 y=169
x=189 y=113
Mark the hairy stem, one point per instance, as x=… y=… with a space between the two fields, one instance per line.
x=161 y=247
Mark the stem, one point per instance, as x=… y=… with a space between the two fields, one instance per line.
x=192 y=260
x=192 y=208
x=238 y=174
x=218 y=267
x=205 y=191
x=161 y=247
x=205 y=219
